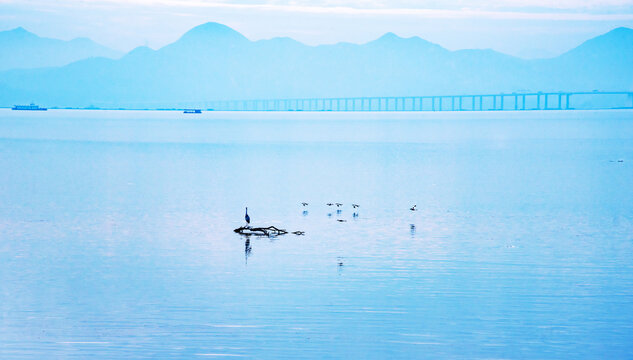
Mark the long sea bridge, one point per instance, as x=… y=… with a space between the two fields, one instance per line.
x=479 y=102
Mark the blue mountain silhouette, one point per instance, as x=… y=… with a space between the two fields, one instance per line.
x=213 y=61
x=20 y=48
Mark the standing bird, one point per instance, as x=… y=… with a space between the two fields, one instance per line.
x=247 y=218
x=413 y=208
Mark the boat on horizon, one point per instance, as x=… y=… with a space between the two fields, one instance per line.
x=31 y=107
x=192 y=111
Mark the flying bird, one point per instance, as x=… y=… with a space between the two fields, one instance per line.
x=329 y=204
x=247 y=218
x=413 y=208
x=338 y=204
x=304 y=203
x=354 y=206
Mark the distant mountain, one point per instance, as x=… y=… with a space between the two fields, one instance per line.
x=20 y=49
x=213 y=61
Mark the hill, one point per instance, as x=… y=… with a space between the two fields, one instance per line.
x=213 y=61
x=21 y=49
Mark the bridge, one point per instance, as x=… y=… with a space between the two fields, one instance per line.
x=479 y=102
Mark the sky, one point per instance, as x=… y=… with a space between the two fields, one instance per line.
x=525 y=28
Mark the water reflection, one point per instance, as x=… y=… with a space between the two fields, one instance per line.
x=247 y=249
x=412 y=229
x=305 y=213
x=339 y=264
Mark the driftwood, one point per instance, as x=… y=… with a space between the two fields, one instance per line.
x=264 y=231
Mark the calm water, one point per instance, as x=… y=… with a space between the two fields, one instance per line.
x=116 y=235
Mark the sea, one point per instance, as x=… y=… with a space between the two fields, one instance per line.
x=117 y=235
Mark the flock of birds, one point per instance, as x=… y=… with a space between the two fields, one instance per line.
x=247 y=218
x=338 y=205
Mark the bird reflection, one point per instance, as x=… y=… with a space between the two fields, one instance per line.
x=339 y=211
x=412 y=228
x=247 y=249
x=305 y=212
x=355 y=215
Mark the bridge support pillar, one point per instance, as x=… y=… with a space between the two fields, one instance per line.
x=567 y=101
x=516 y=102
x=560 y=101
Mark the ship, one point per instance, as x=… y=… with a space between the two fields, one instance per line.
x=192 y=111
x=31 y=107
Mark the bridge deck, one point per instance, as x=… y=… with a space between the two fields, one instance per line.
x=470 y=102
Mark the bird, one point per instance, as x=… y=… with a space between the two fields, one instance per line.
x=338 y=204
x=247 y=218
x=413 y=208
x=329 y=204
x=341 y=220
x=304 y=203
x=355 y=206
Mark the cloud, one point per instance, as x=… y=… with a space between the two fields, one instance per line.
x=564 y=10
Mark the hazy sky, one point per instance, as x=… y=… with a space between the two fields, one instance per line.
x=529 y=28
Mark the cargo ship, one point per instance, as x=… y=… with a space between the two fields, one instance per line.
x=31 y=107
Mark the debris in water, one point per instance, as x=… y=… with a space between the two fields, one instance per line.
x=264 y=231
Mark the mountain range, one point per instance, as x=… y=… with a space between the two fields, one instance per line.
x=21 y=49
x=214 y=62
